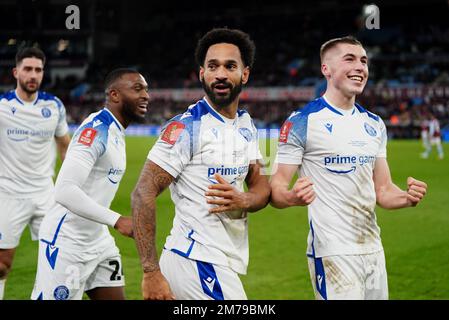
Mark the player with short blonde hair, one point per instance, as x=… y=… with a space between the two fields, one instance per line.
x=338 y=149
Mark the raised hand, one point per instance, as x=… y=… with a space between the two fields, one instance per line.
x=416 y=190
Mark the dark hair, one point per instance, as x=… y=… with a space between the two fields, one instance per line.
x=30 y=52
x=116 y=74
x=334 y=42
x=224 y=35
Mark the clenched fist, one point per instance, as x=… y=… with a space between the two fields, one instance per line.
x=302 y=193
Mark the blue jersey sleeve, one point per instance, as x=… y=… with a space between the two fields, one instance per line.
x=292 y=139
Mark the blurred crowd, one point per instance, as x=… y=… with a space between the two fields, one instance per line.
x=401 y=54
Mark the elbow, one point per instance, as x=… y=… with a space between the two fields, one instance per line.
x=135 y=196
x=277 y=196
x=61 y=192
x=266 y=199
x=275 y=203
x=139 y=197
x=380 y=200
x=263 y=201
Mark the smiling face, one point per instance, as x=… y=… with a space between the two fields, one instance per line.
x=131 y=91
x=29 y=73
x=345 y=67
x=223 y=74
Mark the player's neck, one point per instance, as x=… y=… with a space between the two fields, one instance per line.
x=118 y=116
x=25 y=96
x=338 y=99
x=228 y=111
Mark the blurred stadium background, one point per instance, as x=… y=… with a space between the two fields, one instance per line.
x=409 y=75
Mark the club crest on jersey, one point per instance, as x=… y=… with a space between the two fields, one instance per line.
x=46 y=113
x=172 y=132
x=13 y=110
x=246 y=133
x=285 y=129
x=61 y=293
x=370 y=130
x=87 y=137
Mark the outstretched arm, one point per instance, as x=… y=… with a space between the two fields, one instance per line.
x=389 y=195
x=153 y=180
x=301 y=194
x=231 y=199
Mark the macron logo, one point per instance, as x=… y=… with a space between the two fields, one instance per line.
x=210 y=282
x=320 y=280
x=52 y=249
x=328 y=127
x=96 y=123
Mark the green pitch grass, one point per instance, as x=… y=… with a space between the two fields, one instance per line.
x=415 y=240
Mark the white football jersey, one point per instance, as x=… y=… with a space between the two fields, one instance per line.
x=27 y=132
x=337 y=149
x=99 y=146
x=193 y=147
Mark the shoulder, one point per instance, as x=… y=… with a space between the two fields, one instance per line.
x=8 y=96
x=304 y=112
x=194 y=112
x=313 y=106
x=97 y=124
x=43 y=96
x=368 y=114
x=103 y=118
x=244 y=116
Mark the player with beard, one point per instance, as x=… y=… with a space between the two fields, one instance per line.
x=31 y=122
x=77 y=253
x=205 y=155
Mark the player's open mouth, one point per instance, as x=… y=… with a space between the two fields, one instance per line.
x=222 y=88
x=356 y=78
x=143 y=107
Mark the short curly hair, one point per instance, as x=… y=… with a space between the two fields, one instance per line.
x=224 y=35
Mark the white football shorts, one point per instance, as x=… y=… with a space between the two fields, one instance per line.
x=66 y=274
x=349 y=277
x=197 y=280
x=16 y=214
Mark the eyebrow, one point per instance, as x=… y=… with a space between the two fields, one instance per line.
x=32 y=67
x=139 y=84
x=351 y=55
x=218 y=61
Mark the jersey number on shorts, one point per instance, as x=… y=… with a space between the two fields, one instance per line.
x=115 y=276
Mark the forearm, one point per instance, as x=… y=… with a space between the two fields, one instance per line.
x=69 y=193
x=144 y=221
x=153 y=180
x=281 y=196
x=62 y=144
x=391 y=197
x=74 y=199
x=257 y=198
x=62 y=152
